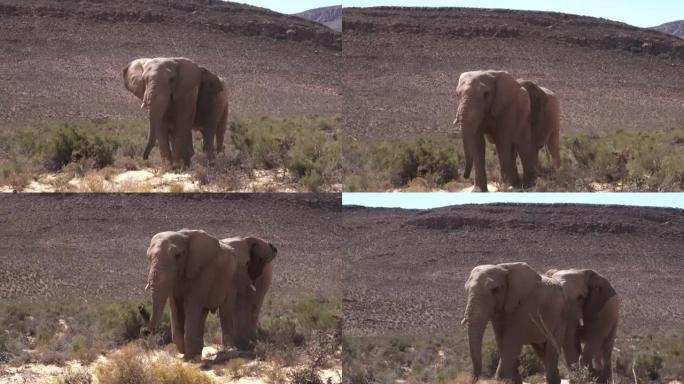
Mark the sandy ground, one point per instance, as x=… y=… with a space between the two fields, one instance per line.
x=151 y=180
x=32 y=373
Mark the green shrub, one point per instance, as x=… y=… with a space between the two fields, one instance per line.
x=283 y=331
x=647 y=364
x=69 y=144
x=529 y=362
x=305 y=147
x=426 y=159
x=305 y=376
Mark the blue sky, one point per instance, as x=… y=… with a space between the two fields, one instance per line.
x=642 y=13
x=433 y=200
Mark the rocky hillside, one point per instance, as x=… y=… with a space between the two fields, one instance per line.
x=407 y=268
x=74 y=247
x=673 y=28
x=402 y=66
x=328 y=16
x=63 y=59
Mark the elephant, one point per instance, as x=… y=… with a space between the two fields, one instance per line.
x=239 y=324
x=493 y=104
x=545 y=119
x=524 y=308
x=197 y=273
x=172 y=88
x=593 y=310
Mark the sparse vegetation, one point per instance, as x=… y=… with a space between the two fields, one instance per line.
x=304 y=150
x=302 y=332
x=443 y=358
x=617 y=160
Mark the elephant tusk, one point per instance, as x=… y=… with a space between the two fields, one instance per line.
x=581 y=322
x=455 y=121
x=463 y=321
x=252 y=287
x=147 y=287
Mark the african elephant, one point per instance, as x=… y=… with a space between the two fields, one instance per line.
x=197 y=273
x=524 y=308
x=593 y=309
x=239 y=324
x=492 y=103
x=545 y=119
x=211 y=115
x=170 y=88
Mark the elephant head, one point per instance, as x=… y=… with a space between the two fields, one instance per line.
x=585 y=290
x=493 y=290
x=254 y=276
x=168 y=87
x=175 y=258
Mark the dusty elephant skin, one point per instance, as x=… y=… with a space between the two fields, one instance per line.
x=197 y=273
x=179 y=94
x=593 y=309
x=492 y=103
x=524 y=308
x=545 y=119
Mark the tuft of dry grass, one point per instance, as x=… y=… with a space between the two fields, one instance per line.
x=132 y=364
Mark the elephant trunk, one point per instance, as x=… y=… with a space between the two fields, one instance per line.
x=157 y=98
x=476 y=321
x=161 y=290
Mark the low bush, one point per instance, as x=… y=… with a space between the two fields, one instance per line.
x=69 y=144
x=307 y=147
x=647 y=365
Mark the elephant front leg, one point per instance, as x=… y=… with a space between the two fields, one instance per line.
x=194 y=331
x=178 y=324
x=551 y=364
x=528 y=157
x=475 y=144
x=226 y=317
x=509 y=354
x=509 y=171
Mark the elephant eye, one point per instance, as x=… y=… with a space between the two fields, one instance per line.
x=495 y=290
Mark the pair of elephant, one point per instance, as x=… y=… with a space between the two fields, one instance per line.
x=180 y=95
x=197 y=273
x=518 y=116
x=554 y=312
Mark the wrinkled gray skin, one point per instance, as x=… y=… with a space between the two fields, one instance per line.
x=593 y=310
x=198 y=274
x=493 y=104
x=519 y=303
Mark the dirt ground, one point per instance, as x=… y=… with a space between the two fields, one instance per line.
x=79 y=247
x=406 y=268
x=401 y=68
x=62 y=60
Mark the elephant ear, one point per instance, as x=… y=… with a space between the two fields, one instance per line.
x=260 y=254
x=506 y=92
x=202 y=248
x=521 y=281
x=210 y=86
x=599 y=291
x=133 y=77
